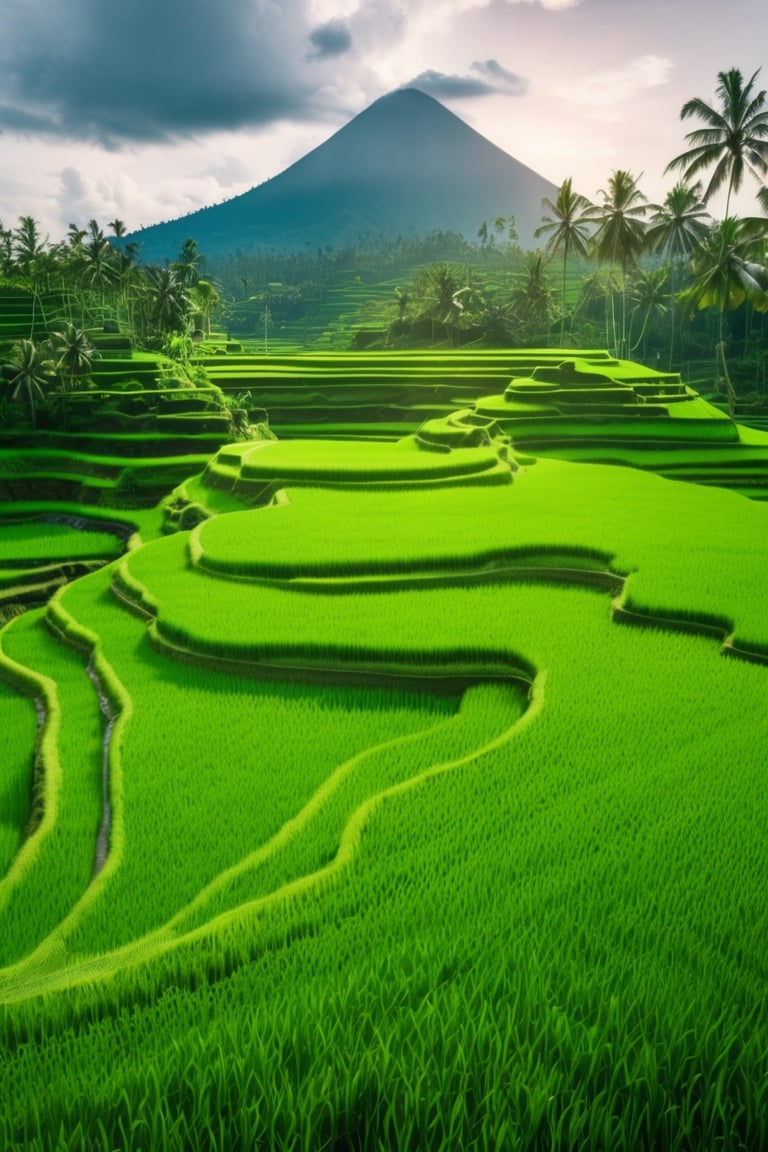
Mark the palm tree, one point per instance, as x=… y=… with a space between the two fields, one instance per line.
x=648 y=292
x=205 y=298
x=496 y=319
x=186 y=264
x=75 y=353
x=727 y=271
x=533 y=300
x=678 y=226
x=27 y=243
x=569 y=228
x=28 y=248
x=620 y=235
x=75 y=356
x=169 y=303
x=6 y=250
x=677 y=229
x=97 y=260
x=441 y=289
x=75 y=236
x=735 y=138
x=33 y=376
x=126 y=270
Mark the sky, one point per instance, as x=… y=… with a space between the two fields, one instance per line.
x=144 y=110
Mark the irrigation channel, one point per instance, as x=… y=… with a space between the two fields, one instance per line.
x=102 y=839
x=41 y=580
x=56 y=575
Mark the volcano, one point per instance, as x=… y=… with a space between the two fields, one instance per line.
x=404 y=166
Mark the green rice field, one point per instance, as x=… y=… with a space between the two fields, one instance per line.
x=404 y=792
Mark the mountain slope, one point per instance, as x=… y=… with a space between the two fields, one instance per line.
x=404 y=165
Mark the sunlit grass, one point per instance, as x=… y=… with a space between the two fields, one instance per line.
x=411 y=845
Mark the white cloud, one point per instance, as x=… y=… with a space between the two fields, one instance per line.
x=605 y=90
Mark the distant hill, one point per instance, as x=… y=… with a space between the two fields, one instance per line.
x=403 y=166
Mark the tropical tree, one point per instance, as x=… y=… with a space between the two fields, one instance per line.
x=74 y=359
x=678 y=226
x=28 y=250
x=619 y=237
x=75 y=236
x=127 y=278
x=506 y=223
x=734 y=139
x=74 y=354
x=442 y=291
x=34 y=373
x=97 y=264
x=569 y=227
x=403 y=297
x=495 y=318
x=533 y=301
x=204 y=299
x=728 y=270
x=649 y=294
x=168 y=303
x=677 y=229
x=6 y=250
x=187 y=264
x=28 y=244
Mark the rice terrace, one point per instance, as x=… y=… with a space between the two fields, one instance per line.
x=384 y=704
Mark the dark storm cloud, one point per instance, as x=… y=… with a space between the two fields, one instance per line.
x=19 y=120
x=331 y=39
x=491 y=78
x=143 y=70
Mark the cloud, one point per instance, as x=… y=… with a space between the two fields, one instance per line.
x=142 y=71
x=331 y=39
x=80 y=197
x=490 y=79
x=145 y=71
x=441 y=85
x=21 y=120
x=77 y=193
x=500 y=79
x=618 y=85
x=228 y=172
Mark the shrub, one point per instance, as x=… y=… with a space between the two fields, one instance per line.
x=126 y=490
x=191 y=516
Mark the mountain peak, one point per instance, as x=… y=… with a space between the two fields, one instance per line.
x=404 y=164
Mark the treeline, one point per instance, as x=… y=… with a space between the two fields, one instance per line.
x=665 y=283
x=99 y=281
x=84 y=293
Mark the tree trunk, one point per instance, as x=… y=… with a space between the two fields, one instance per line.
x=723 y=366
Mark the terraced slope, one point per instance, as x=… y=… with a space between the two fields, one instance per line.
x=340 y=737
x=39 y=553
x=581 y=405
x=415 y=810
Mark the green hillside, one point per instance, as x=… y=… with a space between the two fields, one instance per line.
x=390 y=773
